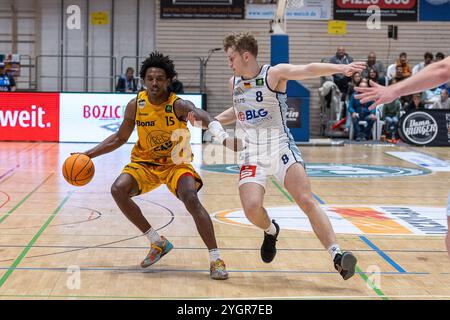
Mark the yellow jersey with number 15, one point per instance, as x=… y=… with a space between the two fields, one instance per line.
x=161 y=135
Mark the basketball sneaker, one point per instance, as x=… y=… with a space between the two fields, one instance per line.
x=345 y=264
x=158 y=250
x=217 y=270
x=268 y=248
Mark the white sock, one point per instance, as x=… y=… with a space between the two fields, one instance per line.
x=333 y=250
x=152 y=235
x=272 y=230
x=214 y=254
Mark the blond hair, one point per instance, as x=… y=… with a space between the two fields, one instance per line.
x=241 y=42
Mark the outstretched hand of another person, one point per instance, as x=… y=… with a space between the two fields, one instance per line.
x=350 y=69
x=377 y=93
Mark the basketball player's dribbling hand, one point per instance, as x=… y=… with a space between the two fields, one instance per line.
x=350 y=69
x=377 y=93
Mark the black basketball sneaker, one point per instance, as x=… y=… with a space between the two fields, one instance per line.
x=345 y=264
x=268 y=248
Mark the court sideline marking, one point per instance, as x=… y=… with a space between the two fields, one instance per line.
x=25 y=199
x=361 y=274
x=33 y=241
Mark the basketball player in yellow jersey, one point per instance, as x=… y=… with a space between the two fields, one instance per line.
x=159 y=158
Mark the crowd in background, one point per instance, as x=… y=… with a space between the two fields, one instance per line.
x=377 y=72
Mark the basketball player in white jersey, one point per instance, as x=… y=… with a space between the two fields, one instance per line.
x=432 y=76
x=259 y=110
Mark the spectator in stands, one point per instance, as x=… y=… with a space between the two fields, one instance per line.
x=391 y=114
x=7 y=82
x=358 y=112
x=427 y=59
x=397 y=78
x=398 y=75
x=415 y=103
x=443 y=102
x=439 y=56
x=127 y=82
x=176 y=86
x=356 y=80
x=374 y=64
x=341 y=58
x=373 y=75
x=403 y=62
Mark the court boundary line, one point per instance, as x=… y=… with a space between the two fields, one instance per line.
x=364 y=277
x=222 y=249
x=206 y=271
x=218 y=298
x=22 y=255
x=382 y=254
x=25 y=199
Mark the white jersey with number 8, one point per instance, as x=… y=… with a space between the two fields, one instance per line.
x=261 y=123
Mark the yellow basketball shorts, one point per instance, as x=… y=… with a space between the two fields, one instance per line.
x=150 y=177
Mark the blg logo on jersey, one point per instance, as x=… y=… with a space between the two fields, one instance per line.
x=252 y=115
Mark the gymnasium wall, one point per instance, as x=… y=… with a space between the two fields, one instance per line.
x=39 y=28
x=309 y=42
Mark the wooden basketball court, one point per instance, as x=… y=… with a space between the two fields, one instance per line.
x=63 y=242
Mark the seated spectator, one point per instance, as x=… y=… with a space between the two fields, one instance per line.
x=403 y=62
x=439 y=56
x=427 y=59
x=398 y=75
x=430 y=96
x=356 y=81
x=374 y=64
x=360 y=112
x=176 y=86
x=391 y=114
x=341 y=58
x=415 y=103
x=127 y=82
x=373 y=75
x=443 y=102
x=7 y=82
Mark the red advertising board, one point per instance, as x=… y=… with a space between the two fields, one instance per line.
x=390 y=10
x=29 y=117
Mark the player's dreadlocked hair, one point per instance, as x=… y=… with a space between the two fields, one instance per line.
x=158 y=60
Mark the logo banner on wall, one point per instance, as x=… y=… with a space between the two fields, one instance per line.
x=434 y=10
x=311 y=10
x=202 y=9
x=70 y=117
x=391 y=10
x=92 y=117
x=29 y=117
x=426 y=127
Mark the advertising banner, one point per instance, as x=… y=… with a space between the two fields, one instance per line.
x=202 y=9
x=426 y=127
x=310 y=10
x=434 y=10
x=391 y=10
x=91 y=117
x=29 y=117
x=70 y=117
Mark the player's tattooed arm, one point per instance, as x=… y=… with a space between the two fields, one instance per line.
x=117 y=139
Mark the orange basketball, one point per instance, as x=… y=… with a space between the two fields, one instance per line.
x=78 y=169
